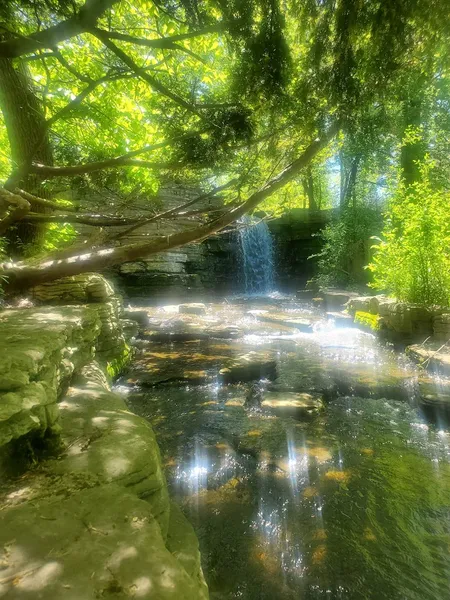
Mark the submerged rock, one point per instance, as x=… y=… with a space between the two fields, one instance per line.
x=192 y=309
x=287 y=319
x=250 y=367
x=292 y=403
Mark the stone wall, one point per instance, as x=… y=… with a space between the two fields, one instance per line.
x=402 y=321
x=191 y=271
x=295 y=240
x=94 y=519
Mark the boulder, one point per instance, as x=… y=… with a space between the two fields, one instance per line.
x=137 y=314
x=434 y=395
x=336 y=299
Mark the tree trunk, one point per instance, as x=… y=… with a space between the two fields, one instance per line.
x=412 y=153
x=25 y=124
x=308 y=186
x=348 y=191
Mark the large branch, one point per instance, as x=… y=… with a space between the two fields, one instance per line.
x=163 y=43
x=167 y=43
x=85 y=19
x=48 y=171
x=84 y=219
x=22 y=276
x=173 y=211
x=142 y=73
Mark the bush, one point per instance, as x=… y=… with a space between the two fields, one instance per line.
x=346 y=244
x=412 y=258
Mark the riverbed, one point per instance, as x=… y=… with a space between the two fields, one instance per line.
x=348 y=498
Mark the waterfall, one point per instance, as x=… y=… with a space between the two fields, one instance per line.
x=257 y=256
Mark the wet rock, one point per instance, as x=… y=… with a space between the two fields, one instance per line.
x=192 y=309
x=336 y=299
x=250 y=367
x=341 y=319
x=318 y=302
x=286 y=319
x=130 y=328
x=291 y=403
x=305 y=295
x=432 y=356
x=434 y=394
x=254 y=395
x=139 y=315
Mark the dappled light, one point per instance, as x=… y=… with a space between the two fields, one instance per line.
x=224 y=300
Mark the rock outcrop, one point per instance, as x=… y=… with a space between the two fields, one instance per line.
x=94 y=519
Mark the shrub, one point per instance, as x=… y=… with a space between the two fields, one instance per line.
x=412 y=257
x=346 y=244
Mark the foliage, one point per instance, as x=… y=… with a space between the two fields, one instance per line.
x=345 y=246
x=368 y=320
x=58 y=236
x=412 y=258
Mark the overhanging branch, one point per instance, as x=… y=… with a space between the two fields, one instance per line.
x=85 y=19
x=22 y=276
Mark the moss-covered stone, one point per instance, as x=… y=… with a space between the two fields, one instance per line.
x=367 y=320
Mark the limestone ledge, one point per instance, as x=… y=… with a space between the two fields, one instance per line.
x=97 y=521
x=40 y=350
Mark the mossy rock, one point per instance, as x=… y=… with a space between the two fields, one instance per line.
x=368 y=320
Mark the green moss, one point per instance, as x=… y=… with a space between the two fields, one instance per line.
x=367 y=320
x=114 y=367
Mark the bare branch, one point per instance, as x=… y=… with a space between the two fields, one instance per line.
x=84 y=219
x=177 y=209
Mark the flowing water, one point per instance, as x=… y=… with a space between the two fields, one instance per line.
x=350 y=503
x=256 y=256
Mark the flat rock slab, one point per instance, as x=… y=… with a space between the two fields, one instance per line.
x=250 y=367
x=431 y=356
x=291 y=403
x=336 y=299
x=73 y=550
x=192 y=309
x=286 y=319
x=341 y=319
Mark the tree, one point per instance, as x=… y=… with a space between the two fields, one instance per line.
x=120 y=93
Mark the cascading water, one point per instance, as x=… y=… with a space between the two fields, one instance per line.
x=256 y=256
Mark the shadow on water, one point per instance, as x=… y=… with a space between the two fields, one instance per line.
x=351 y=503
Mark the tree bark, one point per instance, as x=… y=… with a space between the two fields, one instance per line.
x=413 y=153
x=25 y=123
x=22 y=277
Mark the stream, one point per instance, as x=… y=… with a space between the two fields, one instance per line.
x=350 y=499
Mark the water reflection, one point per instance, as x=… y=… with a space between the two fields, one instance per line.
x=351 y=504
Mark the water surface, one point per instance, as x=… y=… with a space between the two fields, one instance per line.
x=351 y=503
